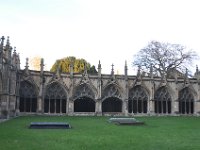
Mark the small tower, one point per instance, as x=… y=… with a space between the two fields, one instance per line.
x=197 y=74
x=112 y=73
x=151 y=71
x=139 y=76
x=14 y=58
x=186 y=79
x=1 y=51
x=26 y=70
x=99 y=69
x=27 y=64
x=42 y=65
x=126 y=71
x=8 y=51
x=2 y=43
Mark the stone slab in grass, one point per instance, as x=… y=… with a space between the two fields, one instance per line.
x=125 y=121
x=49 y=125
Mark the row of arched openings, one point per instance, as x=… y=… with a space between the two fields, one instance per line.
x=55 y=100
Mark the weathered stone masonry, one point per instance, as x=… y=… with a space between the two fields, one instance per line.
x=43 y=92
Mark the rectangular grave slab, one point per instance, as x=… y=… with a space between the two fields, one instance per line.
x=125 y=121
x=49 y=125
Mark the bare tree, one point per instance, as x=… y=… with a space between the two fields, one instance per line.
x=164 y=57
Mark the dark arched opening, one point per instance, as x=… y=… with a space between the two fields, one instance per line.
x=84 y=104
x=186 y=102
x=112 y=104
x=28 y=97
x=162 y=101
x=137 y=102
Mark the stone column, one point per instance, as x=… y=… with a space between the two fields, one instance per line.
x=175 y=104
x=71 y=107
x=151 y=107
x=125 y=107
x=151 y=110
x=197 y=107
x=39 y=100
x=40 y=108
x=175 y=107
x=98 y=107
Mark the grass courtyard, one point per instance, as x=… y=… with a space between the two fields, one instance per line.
x=95 y=133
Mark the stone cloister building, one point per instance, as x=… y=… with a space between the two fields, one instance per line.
x=25 y=91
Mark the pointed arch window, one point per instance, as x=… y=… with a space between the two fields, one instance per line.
x=162 y=101
x=55 y=99
x=186 y=101
x=137 y=102
x=28 y=97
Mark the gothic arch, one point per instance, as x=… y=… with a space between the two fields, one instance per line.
x=83 y=90
x=186 y=101
x=191 y=89
x=55 y=99
x=28 y=97
x=162 y=100
x=84 y=98
x=170 y=90
x=112 y=99
x=138 y=100
x=111 y=90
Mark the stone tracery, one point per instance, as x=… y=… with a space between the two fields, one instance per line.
x=162 y=101
x=137 y=102
x=55 y=99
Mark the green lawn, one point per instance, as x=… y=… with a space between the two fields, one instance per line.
x=95 y=133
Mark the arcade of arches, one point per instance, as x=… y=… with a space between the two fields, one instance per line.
x=56 y=100
x=25 y=91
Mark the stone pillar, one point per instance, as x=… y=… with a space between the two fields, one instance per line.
x=151 y=110
x=197 y=107
x=40 y=108
x=40 y=99
x=125 y=107
x=151 y=107
x=98 y=107
x=175 y=107
x=71 y=107
x=175 y=103
x=17 y=105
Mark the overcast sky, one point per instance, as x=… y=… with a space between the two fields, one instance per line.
x=111 y=31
